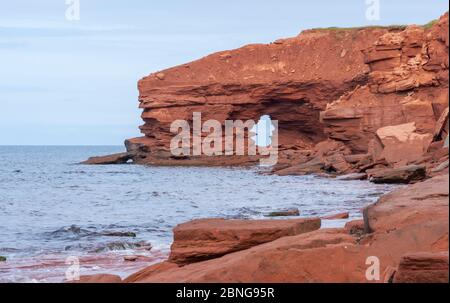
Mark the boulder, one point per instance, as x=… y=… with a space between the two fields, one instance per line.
x=423 y=267
x=201 y=240
x=121 y=158
x=402 y=145
x=339 y=216
x=414 y=204
x=294 y=212
x=353 y=177
x=401 y=175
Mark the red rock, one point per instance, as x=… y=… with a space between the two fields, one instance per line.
x=201 y=240
x=99 y=279
x=399 y=61
x=320 y=256
x=401 y=175
x=149 y=271
x=340 y=216
x=402 y=145
x=423 y=268
x=290 y=80
x=111 y=159
x=355 y=227
x=418 y=203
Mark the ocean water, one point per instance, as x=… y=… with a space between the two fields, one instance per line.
x=52 y=208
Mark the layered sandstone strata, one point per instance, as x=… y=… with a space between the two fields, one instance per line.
x=406 y=235
x=291 y=80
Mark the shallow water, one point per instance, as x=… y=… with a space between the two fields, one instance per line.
x=51 y=207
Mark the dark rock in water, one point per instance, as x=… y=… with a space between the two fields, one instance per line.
x=294 y=212
x=71 y=231
x=121 y=158
x=119 y=234
x=402 y=175
x=130 y=258
x=119 y=245
x=2 y=259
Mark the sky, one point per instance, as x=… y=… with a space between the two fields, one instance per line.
x=74 y=82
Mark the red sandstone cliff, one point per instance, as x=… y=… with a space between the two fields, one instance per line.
x=343 y=85
x=292 y=80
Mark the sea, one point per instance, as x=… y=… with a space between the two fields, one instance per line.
x=57 y=214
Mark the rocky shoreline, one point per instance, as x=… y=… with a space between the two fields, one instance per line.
x=356 y=104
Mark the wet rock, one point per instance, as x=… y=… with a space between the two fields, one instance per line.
x=130 y=258
x=2 y=259
x=353 y=177
x=119 y=234
x=340 y=216
x=294 y=212
x=99 y=279
x=121 y=158
x=401 y=175
x=201 y=240
x=423 y=268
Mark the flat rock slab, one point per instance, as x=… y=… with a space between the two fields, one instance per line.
x=201 y=240
x=402 y=175
x=121 y=158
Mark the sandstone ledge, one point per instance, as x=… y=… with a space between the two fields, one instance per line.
x=201 y=240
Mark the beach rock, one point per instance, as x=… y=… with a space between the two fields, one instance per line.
x=99 y=279
x=423 y=268
x=121 y=158
x=2 y=259
x=201 y=240
x=323 y=256
x=355 y=227
x=149 y=271
x=295 y=212
x=353 y=177
x=130 y=258
x=340 y=216
x=119 y=234
x=414 y=204
x=401 y=175
x=402 y=144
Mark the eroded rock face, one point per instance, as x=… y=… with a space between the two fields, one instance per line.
x=201 y=240
x=408 y=82
x=291 y=80
x=423 y=268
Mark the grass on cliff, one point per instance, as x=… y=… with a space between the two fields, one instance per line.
x=389 y=27
x=334 y=28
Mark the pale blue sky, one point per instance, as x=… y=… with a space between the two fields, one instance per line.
x=64 y=83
